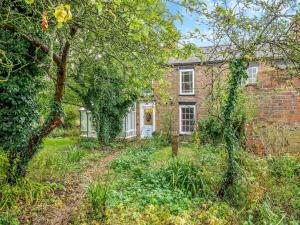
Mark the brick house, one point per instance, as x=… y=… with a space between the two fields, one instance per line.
x=190 y=82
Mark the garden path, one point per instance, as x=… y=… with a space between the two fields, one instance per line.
x=73 y=194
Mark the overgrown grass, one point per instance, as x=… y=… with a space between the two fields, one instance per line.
x=151 y=187
x=59 y=157
x=47 y=173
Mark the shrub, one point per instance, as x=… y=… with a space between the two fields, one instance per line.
x=284 y=167
x=71 y=114
x=210 y=131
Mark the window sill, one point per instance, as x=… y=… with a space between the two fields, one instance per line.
x=186 y=94
x=185 y=134
x=251 y=85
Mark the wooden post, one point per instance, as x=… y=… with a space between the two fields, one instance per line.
x=175 y=145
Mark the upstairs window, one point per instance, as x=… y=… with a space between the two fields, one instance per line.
x=187 y=82
x=252 y=76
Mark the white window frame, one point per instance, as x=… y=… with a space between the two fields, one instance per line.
x=193 y=81
x=128 y=133
x=180 y=122
x=248 y=80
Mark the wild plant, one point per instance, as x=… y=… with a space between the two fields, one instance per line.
x=97 y=195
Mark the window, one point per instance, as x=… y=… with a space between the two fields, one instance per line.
x=129 y=123
x=86 y=123
x=187 y=118
x=187 y=82
x=252 y=76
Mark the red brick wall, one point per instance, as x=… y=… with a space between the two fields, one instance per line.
x=278 y=102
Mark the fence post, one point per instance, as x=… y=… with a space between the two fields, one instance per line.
x=175 y=145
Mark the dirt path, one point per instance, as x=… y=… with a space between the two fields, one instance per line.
x=73 y=194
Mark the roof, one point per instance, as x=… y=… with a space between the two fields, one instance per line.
x=217 y=54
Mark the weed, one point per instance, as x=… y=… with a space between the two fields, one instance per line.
x=88 y=143
x=97 y=195
x=75 y=155
x=25 y=191
x=184 y=176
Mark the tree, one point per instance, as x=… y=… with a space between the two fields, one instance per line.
x=139 y=35
x=268 y=31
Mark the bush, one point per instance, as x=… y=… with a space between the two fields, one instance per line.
x=210 y=131
x=71 y=115
x=284 y=167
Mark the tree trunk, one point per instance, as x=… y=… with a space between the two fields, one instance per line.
x=237 y=71
x=55 y=115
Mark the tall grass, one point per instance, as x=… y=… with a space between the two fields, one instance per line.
x=97 y=195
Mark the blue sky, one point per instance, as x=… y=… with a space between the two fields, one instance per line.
x=189 y=21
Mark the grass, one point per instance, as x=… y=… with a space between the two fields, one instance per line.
x=47 y=173
x=59 y=157
x=155 y=188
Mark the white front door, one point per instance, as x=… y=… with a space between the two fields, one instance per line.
x=147 y=119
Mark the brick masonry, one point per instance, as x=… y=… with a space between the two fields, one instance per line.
x=278 y=104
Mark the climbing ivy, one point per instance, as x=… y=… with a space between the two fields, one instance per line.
x=237 y=69
x=18 y=114
x=108 y=97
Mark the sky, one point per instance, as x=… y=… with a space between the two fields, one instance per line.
x=189 y=21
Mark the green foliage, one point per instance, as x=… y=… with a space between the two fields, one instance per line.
x=166 y=124
x=184 y=176
x=76 y=154
x=108 y=99
x=8 y=219
x=88 y=143
x=237 y=72
x=18 y=99
x=25 y=191
x=284 y=167
x=59 y=157
x=4 y=166
x=210 y=130
x=97 y=195
x=71 y=115
x=62 y=132
x=133 y=156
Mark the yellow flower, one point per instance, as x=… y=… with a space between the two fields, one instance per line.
x=29 y=1
x=62 y=14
